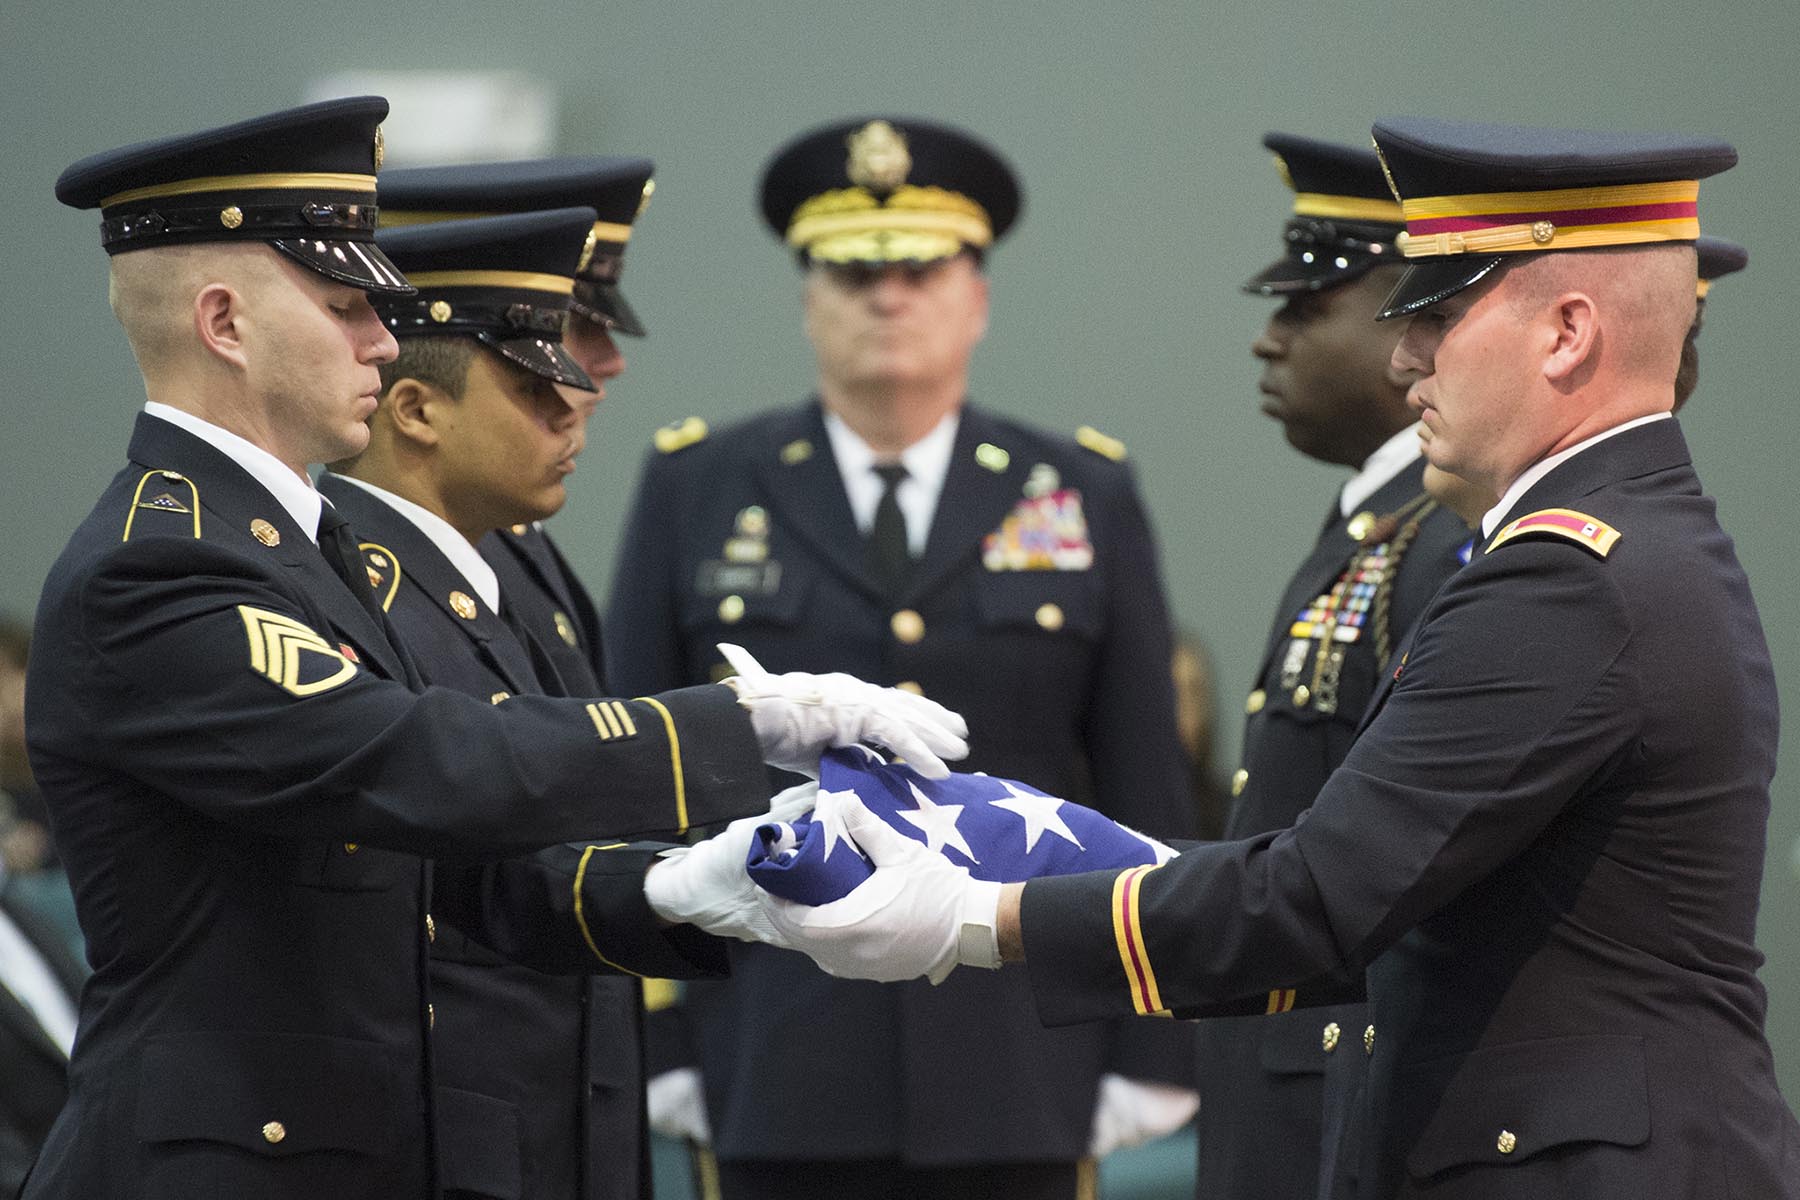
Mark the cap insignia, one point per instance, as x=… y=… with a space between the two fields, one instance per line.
x=587 y=251
x=879 y=159
x=380 y=148
x=644 y=200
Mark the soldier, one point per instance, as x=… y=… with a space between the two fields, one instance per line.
x=242 y=770
x=550 y=598
x=890 y=528
x=539 y=1077
x=1547 y=844
x=1385 y=548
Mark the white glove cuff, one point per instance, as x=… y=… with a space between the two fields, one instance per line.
x=978 y=936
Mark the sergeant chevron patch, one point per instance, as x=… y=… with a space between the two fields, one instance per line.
x=291 y=655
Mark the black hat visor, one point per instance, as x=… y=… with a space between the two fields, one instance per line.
x=359 y=264
x=1430 y=280
x=540 y=356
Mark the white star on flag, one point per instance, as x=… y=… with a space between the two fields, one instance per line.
x=1039 y=813
x=938 y=822
x=828 y=814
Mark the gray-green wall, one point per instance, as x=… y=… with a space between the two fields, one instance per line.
x=1136 y=129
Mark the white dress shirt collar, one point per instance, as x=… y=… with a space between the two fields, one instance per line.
x=1544 y=466
x=293 y=492
x=927 y=463
x=1390 y=458
x=453 y=545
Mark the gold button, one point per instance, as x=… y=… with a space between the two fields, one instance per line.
x=440 y=311
x=908 y=626
x=1506 y=1143
x=430 y=1016
x=1301 y=695
x=1239 y=780
x=274 y=1132
x=1330 y=1039
x=497 y=697
x=731 y=609
x=565 y=629
x=265 y=533
x=1253 y=703
x=910 y=685
x=1050 y=617
x=351 y=847
x=463 y=605
x=430 y=928
x=1542 y=231
x=231 y=216
x=1369 y=1040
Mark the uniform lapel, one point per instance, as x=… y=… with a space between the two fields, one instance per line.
x=424 y=568
x=806 y=492
x=974 y=503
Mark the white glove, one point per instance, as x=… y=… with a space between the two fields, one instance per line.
x=918 y=914
x=1130 y=1112
x=706 y=884
x=677 y=1106
x=798 y=716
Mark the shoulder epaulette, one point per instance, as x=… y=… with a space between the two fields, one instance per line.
x=1577 y=527
x=384 y=571
x=168 y=492
x=679 y=435
x=1100 y=443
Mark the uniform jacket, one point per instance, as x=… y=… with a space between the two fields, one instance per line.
x=1303 y=712
x=1064 y=678
x=551 y=604
x=1547 y=846
x=539 y=1076
x=243 y=777
x=36 y=1079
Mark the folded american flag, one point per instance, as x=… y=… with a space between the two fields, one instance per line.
x=1001 y=830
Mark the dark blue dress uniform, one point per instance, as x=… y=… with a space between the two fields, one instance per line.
x=1362 y=585
x=540 y=1079
x=244 y=776
x=1547 y=843
x=747 y=536
x=539 y=1076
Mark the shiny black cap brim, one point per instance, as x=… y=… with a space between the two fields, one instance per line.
x=540 y=356
x=605 y=303
x=1288 y=274
x=1431 y=280
x=358 y=264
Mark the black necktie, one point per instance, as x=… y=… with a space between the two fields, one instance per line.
x=890 y=559
x=342 y=554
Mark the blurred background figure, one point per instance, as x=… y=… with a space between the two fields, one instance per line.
x=889 y=528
